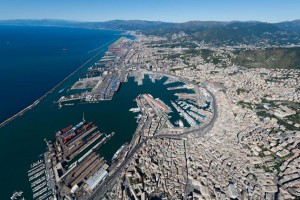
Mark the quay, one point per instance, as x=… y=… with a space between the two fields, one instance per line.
x=20 y=113
x=74 y=169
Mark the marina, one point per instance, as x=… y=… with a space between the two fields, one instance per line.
x=36 y=182
x=16 y=195
x=40 y=180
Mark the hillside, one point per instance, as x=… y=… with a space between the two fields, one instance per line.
x=287 y=58
x=247 y=33
x=211 y=32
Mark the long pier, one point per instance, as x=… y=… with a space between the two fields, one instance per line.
x=20 y=113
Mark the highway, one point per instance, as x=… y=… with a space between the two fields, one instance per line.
x=110 y=180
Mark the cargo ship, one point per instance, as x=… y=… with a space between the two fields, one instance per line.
x=71 y=131
x=62 y=131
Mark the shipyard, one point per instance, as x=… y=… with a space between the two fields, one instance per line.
x=72 y=166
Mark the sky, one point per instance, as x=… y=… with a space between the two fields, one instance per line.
x=156 y=10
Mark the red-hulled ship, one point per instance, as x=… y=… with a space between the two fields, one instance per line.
x=64 y=130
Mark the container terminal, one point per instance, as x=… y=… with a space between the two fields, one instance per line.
x=104 y=78
x=72 y=166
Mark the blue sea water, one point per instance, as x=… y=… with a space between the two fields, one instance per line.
x=34 y=59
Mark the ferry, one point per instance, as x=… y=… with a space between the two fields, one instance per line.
x=134 y=110
x=118 y=152
x=138 y=118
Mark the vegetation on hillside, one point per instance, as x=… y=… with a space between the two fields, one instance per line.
x=286 y=58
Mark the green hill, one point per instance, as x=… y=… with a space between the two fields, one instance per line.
x=287 y=58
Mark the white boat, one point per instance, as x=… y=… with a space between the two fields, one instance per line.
x=134 y=110
x=69 y=104
x=118 y=152
x=138 y=118
x=180 y=123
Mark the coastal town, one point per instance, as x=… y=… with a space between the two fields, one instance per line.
x=251 y=152
x=238 y=135
x=150 y=100
x=72 y=166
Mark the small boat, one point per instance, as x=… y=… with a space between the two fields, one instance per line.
x=69 y=104
x=16 y=194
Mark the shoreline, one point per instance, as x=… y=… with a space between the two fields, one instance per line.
x=23 y=111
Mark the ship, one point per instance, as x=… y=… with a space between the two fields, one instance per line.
x=138 y=118
x=117 y=86
x=80 y=128
x=64 y=130
x=134 y=110
x=69 y=104
x=118 y=152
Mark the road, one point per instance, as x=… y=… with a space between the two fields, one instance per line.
x=110 y=180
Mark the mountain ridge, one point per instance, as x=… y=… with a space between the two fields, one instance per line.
x=213 y=32
x=137 y=24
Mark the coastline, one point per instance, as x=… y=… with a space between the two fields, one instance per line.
x=23 y=111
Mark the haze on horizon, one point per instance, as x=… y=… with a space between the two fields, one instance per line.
x=155 y=10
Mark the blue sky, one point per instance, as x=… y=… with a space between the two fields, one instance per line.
x=162 y=10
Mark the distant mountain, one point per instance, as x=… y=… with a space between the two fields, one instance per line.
x=141 y=25
x=191 y=26
x=43 y=22
x=290 y=26
x=132 y=24
x=214 y=32
x=247 y=33
x=114 y=24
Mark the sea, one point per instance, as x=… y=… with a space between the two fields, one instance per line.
x=32 y=61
